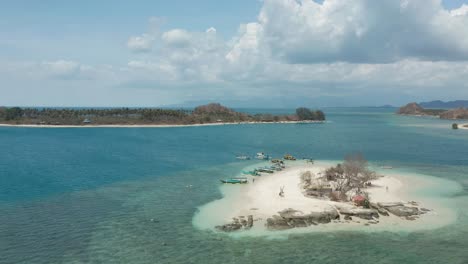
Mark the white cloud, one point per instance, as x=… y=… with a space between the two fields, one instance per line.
x=211 y=30
x=61 y=68
x=461 y=11
x=143 y=43
x=332 y=48
x=358 y=31
x=177 y=37
x=338 y=48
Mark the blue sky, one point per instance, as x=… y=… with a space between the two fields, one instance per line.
x=242 y=53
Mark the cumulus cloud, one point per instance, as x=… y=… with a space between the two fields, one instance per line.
x=327 y=48
x=330 y=49
x=143 y=43
x=61 y=68
x=303 y=31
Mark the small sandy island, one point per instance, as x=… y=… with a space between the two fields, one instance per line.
x=282 y=201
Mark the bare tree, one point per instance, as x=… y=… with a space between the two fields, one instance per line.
x=306 y=178
x=356 y=170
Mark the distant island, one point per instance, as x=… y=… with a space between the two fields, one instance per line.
x=213 y=113
x=445 y=105
x=417 y=110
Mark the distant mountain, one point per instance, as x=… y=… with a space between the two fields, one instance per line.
x=446 y=105
x=418 y=110
x=411 y=109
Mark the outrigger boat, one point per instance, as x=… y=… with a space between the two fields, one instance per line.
x=266 y=170
x=243 y=157
x=262 y=156
x=289 y=157
x=252 y=173
x=235 y=180
x=386 y=167
x=277 y=167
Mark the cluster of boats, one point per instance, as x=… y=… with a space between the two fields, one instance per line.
x=277 y=165
x=259 y=156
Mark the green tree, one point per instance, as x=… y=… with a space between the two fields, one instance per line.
x=13 y=113
x=304 y=114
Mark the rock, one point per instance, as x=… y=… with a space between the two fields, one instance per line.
x=348 y=217
x=425 y=210
x=389 y=204
x=403 y=211
x=290 y=218
x=237 y=224
x=399 y=209
x=277 y=223
x=379 y=209
x=249 y=221
x=229 y=227
x=243 y=222
x=362 y=213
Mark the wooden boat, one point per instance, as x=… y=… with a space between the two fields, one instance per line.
x=276 y=167
x=386 y=167
x=262 y=156
x=266 y=170
x=253 y=173
x=235 y=180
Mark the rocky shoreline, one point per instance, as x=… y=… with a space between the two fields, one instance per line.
x=340 y=213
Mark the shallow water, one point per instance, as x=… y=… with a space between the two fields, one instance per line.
x=87 y=195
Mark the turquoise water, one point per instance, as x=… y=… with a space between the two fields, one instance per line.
x=87 y=195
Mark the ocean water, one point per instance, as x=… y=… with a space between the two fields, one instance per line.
x=87 y=195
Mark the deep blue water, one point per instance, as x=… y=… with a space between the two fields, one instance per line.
x=74 y=195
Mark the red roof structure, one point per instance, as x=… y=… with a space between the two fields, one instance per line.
x=359 y=199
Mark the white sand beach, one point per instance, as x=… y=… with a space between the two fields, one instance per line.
x=261 y=200
x=155 y=126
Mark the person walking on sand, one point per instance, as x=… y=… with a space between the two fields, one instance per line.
x=253 y=180
x=281 y=193
x=386 y=187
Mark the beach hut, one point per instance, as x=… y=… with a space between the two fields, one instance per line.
x=359 y=200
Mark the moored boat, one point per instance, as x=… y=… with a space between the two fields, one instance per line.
x=386 y=167
x=238 y=180
x=262 y=156
x=266 y=170
x=252 y=173
x=243 y=157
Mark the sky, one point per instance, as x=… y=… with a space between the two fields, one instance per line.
x=243 y=53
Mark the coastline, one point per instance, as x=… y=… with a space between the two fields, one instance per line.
x=157 y=126
x=261 y=200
